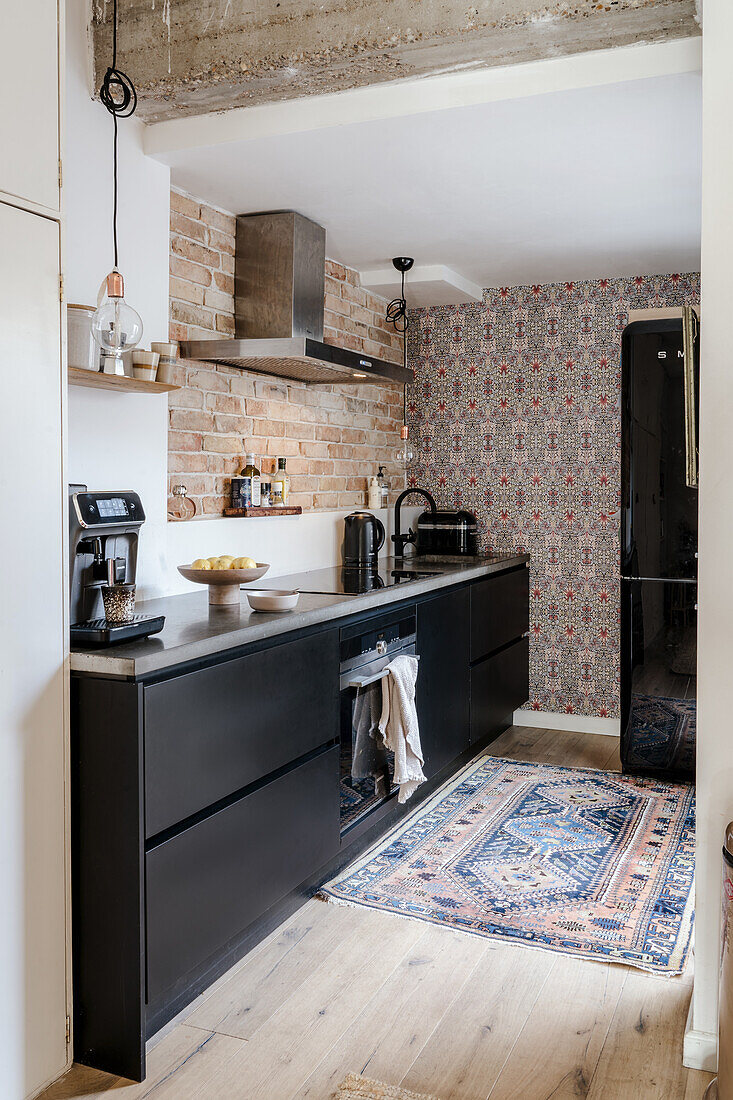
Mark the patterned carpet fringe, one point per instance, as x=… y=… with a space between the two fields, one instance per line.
x=355 y=1087
x=587 y=863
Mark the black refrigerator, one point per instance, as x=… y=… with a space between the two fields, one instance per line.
x=659 y=461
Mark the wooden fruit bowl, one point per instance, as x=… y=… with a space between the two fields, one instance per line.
x=223 y=583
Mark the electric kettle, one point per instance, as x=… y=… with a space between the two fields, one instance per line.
x=363 y=539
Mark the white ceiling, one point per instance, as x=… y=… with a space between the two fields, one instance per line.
x=429 y=285
x=598 y=181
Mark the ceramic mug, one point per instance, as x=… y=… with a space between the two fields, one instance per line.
x=145 y=364
x=168 y=361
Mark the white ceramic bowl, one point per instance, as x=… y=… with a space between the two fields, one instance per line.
x=284 y=600
x=223 y=583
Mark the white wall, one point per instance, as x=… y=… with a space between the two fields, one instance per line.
x=715 y=591
x=119 y=441
x=290 y=544
x=115 y=441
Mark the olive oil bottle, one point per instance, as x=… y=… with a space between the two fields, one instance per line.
x=251 y=488
x=281 y=482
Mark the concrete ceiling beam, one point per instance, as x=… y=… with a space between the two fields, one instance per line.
x=192 y=57
x=172 y=139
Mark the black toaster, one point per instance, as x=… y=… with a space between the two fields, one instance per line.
x=445 y=532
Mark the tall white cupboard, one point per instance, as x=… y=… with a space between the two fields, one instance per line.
x=33 y=647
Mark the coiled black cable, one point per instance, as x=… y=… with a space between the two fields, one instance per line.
x=397 y=316
x=119 y=96
x=397 y=311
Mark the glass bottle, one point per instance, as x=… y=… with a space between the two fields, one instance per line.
x=251 y=487
x=383 y=482
x=281 y=481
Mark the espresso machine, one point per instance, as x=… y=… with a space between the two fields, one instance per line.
x=103 y=534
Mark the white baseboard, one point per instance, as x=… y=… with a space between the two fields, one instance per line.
x=700 y=1049
x=572 y=723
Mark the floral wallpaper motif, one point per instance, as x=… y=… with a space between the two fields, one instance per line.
x=515 y=414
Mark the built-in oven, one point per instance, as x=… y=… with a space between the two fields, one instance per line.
x=367 y=768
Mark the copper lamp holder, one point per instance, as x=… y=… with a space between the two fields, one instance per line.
x=115 y=285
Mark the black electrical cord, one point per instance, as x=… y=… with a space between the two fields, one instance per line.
x=118 y=95
x=397 y=310
x=397 y=316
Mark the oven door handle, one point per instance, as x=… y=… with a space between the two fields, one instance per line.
x=365 y=681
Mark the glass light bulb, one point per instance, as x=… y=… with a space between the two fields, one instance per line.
x=115 y=325
x=404 y=456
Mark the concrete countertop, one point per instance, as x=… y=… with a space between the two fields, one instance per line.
x=193 y=630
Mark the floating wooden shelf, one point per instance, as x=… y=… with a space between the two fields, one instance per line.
x=95 y=380
x=274 y=511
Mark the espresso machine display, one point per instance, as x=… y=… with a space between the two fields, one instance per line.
x=104 y=529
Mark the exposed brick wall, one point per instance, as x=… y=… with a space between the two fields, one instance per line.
x=201 y=270
x=334 y=436
x=354 y=318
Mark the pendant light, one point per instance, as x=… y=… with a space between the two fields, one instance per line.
x=116 y=326
x=397 y=316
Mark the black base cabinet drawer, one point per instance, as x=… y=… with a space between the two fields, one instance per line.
x=442 y=694
x=499 y=611
x=206 y=885
x=212 y=732
x=499 y=685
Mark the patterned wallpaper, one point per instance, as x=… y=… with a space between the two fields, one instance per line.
x=515 y=414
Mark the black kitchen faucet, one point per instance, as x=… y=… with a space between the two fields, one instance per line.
x=398 y=538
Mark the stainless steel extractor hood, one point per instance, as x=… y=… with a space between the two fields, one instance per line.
x=278 y=308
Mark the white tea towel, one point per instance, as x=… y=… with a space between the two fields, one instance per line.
x=398 y=725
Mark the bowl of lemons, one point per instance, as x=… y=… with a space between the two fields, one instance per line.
x=223 y=575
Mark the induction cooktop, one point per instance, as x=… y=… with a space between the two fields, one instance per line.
x=341 y=581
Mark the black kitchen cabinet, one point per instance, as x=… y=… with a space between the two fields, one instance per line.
x=499 y=611
x=207 y=884
x=107 y=888
x=214 y=731
x=499 y=686
x=180 y=838
x=443 y=682
x=205 y=798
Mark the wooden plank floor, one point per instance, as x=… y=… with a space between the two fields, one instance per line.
x=338 y=990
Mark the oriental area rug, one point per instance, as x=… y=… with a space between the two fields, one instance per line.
x=587 y=863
